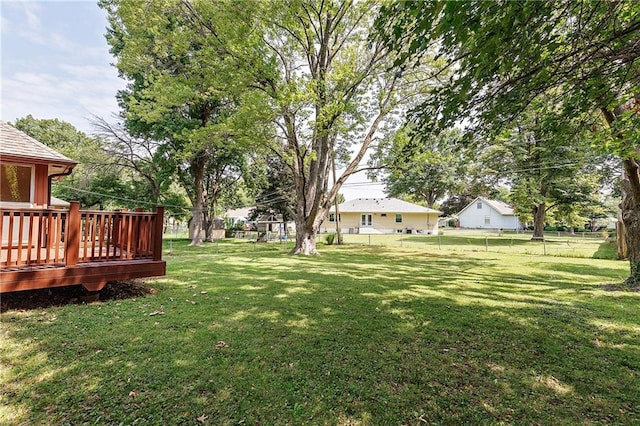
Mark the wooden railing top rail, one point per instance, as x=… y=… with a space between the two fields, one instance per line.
x=118 y=212
x=7 y=211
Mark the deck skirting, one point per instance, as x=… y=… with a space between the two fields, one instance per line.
x=93 y=276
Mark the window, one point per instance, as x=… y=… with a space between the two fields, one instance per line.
x=487 y=220
x=332 y=217
x=398 y=218
x=383 y=214
x=366 y=220
x=15 y=183
x=479 y=205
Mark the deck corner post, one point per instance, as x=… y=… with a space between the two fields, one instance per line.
x=157 y=233
x=73 y=234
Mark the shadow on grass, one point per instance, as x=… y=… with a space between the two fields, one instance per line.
x=354 y=335
x=60 y=296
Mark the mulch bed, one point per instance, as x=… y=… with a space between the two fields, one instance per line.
x=58 y=296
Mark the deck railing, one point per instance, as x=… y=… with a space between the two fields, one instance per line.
x=32 y=237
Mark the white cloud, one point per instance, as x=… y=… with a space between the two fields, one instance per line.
x=55 y=63
x=24 y=20
x=73 y=95
x=29 y=11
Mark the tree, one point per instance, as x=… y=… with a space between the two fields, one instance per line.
x=544 y=157
x=142 y=156
x=96 y=180
x=147 y=163
x=425 y=169
x=507 y=54
x=277 y=198
x=184 y=93
x=328 y=87
x=332 y=87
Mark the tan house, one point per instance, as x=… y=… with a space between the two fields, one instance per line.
x=45 y=242
x=382 y=216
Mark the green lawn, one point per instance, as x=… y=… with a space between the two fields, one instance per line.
x=359 y=335
x=462 y=240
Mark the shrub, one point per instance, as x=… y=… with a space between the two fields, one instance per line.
x=330 y=238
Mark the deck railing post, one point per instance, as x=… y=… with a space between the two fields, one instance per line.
x=72 y=244
x=157 y=233
x=138 y=243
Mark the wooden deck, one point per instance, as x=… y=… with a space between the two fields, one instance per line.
x=52 y=248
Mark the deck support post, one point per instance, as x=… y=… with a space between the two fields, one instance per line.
x=72 y=249
x=157 y=233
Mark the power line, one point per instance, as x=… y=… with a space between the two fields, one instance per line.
x=112 y=197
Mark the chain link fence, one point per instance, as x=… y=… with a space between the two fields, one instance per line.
x=564 y=244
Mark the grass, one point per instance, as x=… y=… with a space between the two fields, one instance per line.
x=491 y=241
x=358 y=335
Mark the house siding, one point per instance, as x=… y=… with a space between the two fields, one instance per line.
x=426 y=223
x=474 y=217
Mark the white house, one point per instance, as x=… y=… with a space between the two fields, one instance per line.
x=382 y=216
x=488 y=214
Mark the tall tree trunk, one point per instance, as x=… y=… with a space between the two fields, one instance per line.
x=539 y=213
x=630 y=205
x=305 y=239
x=430 y=198
x=337 y=218
x=199 y=207
x=210 y=222
x=630 y=211
x=621 y=237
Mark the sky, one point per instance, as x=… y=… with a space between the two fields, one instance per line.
x=55 y=63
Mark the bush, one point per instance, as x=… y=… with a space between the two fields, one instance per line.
x=330 y=238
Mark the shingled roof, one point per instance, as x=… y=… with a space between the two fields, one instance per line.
x=17 y=144
x=382 y=205
x=500 y=206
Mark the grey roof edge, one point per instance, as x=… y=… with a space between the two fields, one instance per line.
x=13 y=145
x=422 y=209
x=490 y=203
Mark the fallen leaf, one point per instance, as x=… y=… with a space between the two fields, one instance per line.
x=156 y=313
x=203 y=292
x=132 y=394
x=221 y=344
x=202 y=418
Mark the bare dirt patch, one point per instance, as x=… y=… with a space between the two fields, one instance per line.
x=58 y=296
